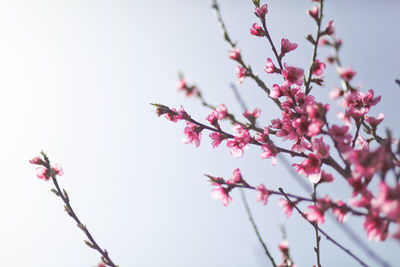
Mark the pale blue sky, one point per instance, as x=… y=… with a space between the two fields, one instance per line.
x=76 y=80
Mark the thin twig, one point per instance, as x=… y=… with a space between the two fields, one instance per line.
x=68 y=208
x=314 y=57
x=246 y=205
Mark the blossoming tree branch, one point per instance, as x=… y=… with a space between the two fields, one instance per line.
x=322 y=150
x=357 y=150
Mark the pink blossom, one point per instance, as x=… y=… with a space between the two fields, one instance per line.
x=217 y=139
x=193 y=134
x=387 y=202
x=261 y=11
x=325 y=178
x=235 y=53
x=175 y=115
x=375 y=227
x=256 y=30
x=318 y=67
x=329 y=29
x=320 y=148
x=240 y=141
x=313 y=12
x=262 y=194
x=181 y=84
x=293 y=74
x=276 y=92
x=340 y=211
x=45 y=174
x=37 y=161
x=374 y=122
x=313 y=214
x=213 y=118
x=287 y=46
x=241 y=74
x=252 y=115
x=219 y=192
x=270 y=67
x=336 y=93
x=287 y=207
x=316 y=213
x=237 y=177
x=222 y=111
x=347 y=74
x=340 y=135
x=269 y=150
x=310 y=167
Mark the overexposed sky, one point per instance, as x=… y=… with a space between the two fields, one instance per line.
x=76 y=80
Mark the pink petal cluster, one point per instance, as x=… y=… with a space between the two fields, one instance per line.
x=287 y=46
x=193 y=134
x=240 y=141
x=252 y=115
x=235 y=53
x=318 y=68
x=347 y=74
x=241 y=74
x=270 y=67
x=262 y=194
x=313 y=12
x=316 y=213
x=261 y=11
x=220 y=192
x=293 y=74
x=256 y=30
x=42 y=172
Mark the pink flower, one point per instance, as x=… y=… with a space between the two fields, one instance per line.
x=183 y=86
x=235 y=53
x=320 y=148
x=219 y=192
x=37 y=161
x=262 y=194
x=336 y=93
x=313 y=214
x=374 y=122
x=329 y=29
x=269 y=150
x=175 y=115
x=325 y=178
x=316 y=213
x=276 y=92
x=387 y=201
x=237 y=177
x=287 y=207
x=310 y=167
x=193 y=134
x=222 y=111
x=45 y=174
x=262 y=11
x=375 y=227
x=313 y=12
x=347 y=74
x=287 y=46
x=270 y=67
x=213 y=118
x=240 y=141
x=293 y=74
x=318 y=67
x=256 y=30
x=217 y=139
x=241 y=74
x=340 y=211
x=252 y=115
x=101 y=264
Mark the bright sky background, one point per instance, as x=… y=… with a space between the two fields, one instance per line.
x=76 y=80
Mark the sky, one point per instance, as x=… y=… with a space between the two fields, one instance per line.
x=77 y=79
